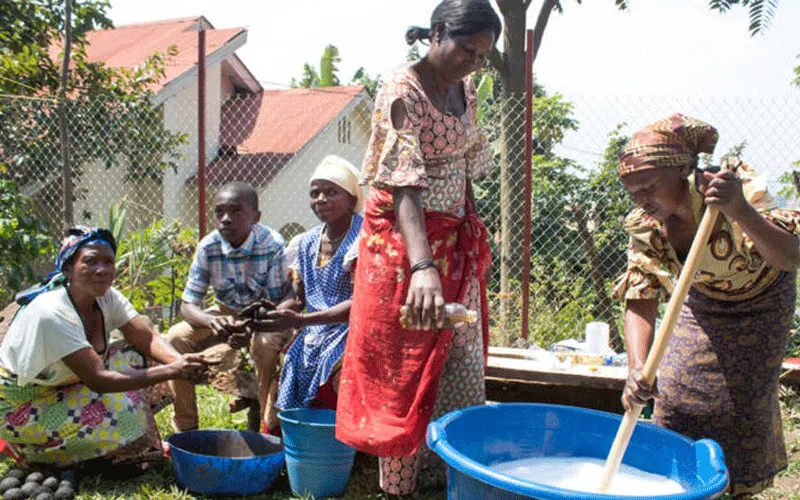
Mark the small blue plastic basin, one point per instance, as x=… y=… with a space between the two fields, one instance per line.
x=225 y=462
x=473 y=439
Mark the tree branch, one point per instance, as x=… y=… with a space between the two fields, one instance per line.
x=506 y=6
x=541 y=24
x=497 y=59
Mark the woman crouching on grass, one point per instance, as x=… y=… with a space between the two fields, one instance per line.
x=68 y=395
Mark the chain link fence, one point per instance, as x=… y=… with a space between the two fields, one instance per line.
x=274 y=140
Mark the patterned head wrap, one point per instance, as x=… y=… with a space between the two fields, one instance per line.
x=673 y=142
x=342 y=173
x=77 y=238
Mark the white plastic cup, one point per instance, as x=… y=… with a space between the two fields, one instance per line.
x=597 y=337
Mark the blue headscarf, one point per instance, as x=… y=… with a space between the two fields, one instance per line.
x=77 y=238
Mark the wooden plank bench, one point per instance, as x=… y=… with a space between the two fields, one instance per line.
x=511 y=375
x=6 y=315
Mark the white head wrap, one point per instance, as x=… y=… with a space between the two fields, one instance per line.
x=342 y=173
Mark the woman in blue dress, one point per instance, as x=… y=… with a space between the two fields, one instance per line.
x=322 y=280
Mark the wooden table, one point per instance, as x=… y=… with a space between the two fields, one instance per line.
x=790 y=374
x=511 y=375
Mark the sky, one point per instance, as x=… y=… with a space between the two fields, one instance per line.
x=611 y=64
x=658 y=46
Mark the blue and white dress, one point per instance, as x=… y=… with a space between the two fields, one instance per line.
x=318 y=349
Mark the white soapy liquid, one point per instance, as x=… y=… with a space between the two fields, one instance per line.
x=584 y=474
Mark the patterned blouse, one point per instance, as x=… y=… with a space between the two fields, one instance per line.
x=437 y=152
x=731 y=269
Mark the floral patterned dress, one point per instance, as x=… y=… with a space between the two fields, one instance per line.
x=68 y=424
x=438 y=153
x=719 y=376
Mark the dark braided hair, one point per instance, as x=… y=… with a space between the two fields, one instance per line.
x=459 y=18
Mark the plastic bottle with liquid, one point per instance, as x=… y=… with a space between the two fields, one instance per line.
x=454 y=314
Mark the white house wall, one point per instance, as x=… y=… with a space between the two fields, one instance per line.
x=98 y=189
x=180 y=115
x=285 y=199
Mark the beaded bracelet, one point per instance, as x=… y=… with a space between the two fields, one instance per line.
x=423 y=264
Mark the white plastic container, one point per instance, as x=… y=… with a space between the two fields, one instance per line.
x=597 y=337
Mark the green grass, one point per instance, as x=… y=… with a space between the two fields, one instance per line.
x=787 y=483
x=158 y=482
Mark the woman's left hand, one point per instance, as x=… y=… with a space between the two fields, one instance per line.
x=278 y=320
x=724 y=190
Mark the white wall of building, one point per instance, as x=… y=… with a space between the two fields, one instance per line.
x=180 y=115
x=285 y=199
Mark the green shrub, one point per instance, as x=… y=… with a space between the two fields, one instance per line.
x=152 y=266
x=23 y=240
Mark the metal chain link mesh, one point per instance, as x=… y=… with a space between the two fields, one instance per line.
x=577 y=246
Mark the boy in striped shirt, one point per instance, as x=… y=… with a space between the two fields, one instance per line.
x=241 y=261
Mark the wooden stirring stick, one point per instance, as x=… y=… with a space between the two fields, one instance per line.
x=660 y=342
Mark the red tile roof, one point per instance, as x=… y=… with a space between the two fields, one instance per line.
x=262 y=132
x=128 y=46
x=281 y=121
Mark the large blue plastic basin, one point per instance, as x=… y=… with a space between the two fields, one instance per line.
x=318 y=464
x=472 y=439
x=225 y=461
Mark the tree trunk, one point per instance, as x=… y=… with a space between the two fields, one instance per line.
x=66 y=178
x=512 y=155
x=796 y=180
x=604 y=304
x=512 y=144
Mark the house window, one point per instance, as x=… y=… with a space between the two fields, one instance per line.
x=344 y=131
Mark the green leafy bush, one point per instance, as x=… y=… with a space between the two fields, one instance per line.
x=23 y=241
x=152 y=266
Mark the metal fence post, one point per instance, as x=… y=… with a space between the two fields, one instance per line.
x=201 y=131
x=526 y=241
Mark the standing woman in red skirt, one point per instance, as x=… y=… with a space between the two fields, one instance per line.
x=421 y=246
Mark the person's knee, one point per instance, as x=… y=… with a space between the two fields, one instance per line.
x=267 y=345
x=179 y=337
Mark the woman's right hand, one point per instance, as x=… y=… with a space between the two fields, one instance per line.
x=424 y=300
x=637 y=390
x=191 y=367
